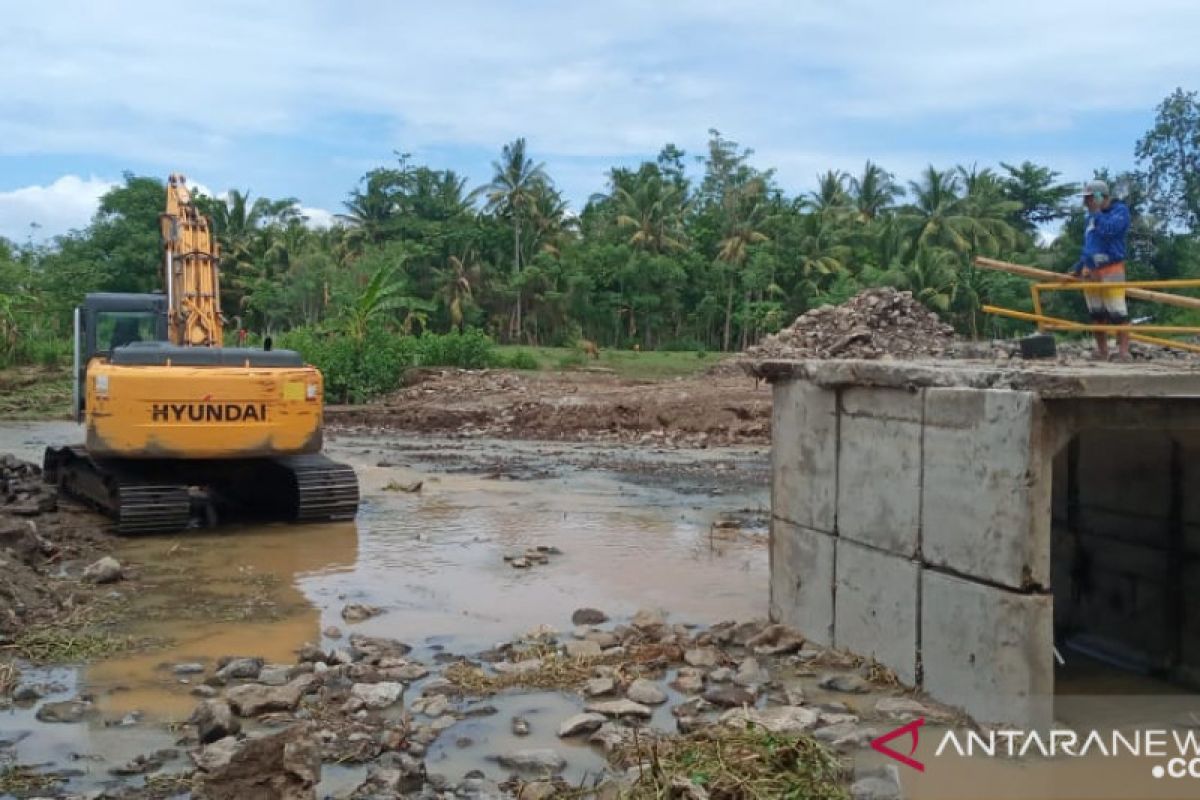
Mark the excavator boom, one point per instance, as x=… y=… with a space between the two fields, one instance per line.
x=192 y=276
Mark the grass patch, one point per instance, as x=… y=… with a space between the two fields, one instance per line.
x=557 y=671
x=9 y=677
x=649 y=365
x=735 y=765
x=53 y=644
x=35 y=393
x=19 y=779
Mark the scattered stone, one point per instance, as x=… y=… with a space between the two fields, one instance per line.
x=378 y=695
x=204 y=691
x=333 y=632
x=357 y=612
x=750 y=673
x=846 y=682
x=144 y=764
x=648 y=619
x=619 y=708
x=214 y=720
x=689 y=680
x=240 y=668
x=588 y=616
x=880 y=784
x=435 y=705
x=191 y=668
x=702 y=657
x=518 y=667
x=106 y=570
x=443 y=723
x=582 y=649
x=376 y=649
x=309 y=653
x=64 y=711
x=776 y=640
x=791 y=720
x=602 y=638
x=599 y=686
x=395 y=775
x=902 y=707
x=412 y=671
x=721 y=675
x=282 y=766
x=27 y=693
x=845 y=735
x=538 y=790
x=580 y=724
x=535 y=760
x=252 y=699
x=646 y=692
x=519 y=726
x=486 y=710
x=275 y=674
x=729 y=696
x=519 y=563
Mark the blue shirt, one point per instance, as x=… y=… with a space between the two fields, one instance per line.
x=1104 y=236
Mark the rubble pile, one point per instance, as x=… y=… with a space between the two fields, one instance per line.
x=875 y=323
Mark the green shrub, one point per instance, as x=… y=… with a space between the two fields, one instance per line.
x=572 y=361
x=521 y=359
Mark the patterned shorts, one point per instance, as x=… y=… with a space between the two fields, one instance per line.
x=1107 y=305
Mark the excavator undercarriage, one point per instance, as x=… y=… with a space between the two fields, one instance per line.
x=162 y=496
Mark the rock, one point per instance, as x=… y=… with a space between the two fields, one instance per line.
x=396 y=774
x=333 y=632
x=845 y=736
x=688 y=680
x=619 y=708
x=204 y=691
x=64 y=711
x=106 y=570
x=599 y=686
x=214 y=720
x=27 y=693
x=518 y=667
x=729 y=696
x=538 y=790
x=580 y=724
x=280 y=766
x=582 y=649
x=374 y=649
x=191 y=668
x=443 y=723
x=588 y=616
x=702 y=657
x=357 y=612
x=534 y=760
x=776 y=640
x=792 y=720
x=243 y=668
x=436 y=706
x=602 y=638
x=309 y=653
x=646 y=692
x=519 y=726
x=880 y=784
x=750 y=673
x=648 y=619
x=407 y=672
x=275 y=674
x=721 y=675
x=611 y=736
x=845 y=682
x=378 y=695
x=145 y=763
x=486 y=710
x=252 y=699
x=902 y=707
x=520 y=563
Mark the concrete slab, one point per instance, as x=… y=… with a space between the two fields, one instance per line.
x=802 y=570
x=879 y=483
x=877 y=607
x=899 y=404
x=804 y=455
x=987 y=650
x=986 y=486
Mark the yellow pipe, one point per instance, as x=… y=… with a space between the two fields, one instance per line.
x=1189 y=283
x=1061 y=324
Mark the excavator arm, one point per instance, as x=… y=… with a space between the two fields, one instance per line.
x=192 y=277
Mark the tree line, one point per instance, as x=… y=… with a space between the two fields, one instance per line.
x=699 y=252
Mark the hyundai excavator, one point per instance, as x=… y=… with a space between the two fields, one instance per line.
x=181 y=431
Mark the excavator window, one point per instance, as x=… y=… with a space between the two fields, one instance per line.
x=117 y=328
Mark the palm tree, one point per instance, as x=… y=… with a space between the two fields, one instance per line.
x=373 y=209
x=940 y=216
x=654 y=213
x=874 y=192
x=746 y=213
x=455 y=288
x=510 y=194
x=831 y=197
x=384 y=293
x=932 y=277
x=550 y=222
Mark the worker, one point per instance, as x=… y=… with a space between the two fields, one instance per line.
x=1103 y=261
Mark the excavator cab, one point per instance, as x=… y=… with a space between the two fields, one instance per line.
x=108 y=320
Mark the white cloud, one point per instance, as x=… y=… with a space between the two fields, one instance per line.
x=611 y=80
x=318 y=218
x=66 y=204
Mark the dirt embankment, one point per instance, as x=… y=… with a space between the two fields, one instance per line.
x=580 y=406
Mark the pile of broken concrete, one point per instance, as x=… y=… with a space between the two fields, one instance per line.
x=876 y=323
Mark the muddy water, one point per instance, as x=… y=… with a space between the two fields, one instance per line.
x=634 y=530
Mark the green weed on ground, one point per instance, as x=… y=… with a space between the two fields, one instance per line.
x=648 y=365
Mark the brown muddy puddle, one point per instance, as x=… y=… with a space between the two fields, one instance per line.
x=630 y=536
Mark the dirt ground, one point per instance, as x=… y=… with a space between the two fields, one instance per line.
x=719 y=408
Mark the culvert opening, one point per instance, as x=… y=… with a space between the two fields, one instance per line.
x=1125 y=561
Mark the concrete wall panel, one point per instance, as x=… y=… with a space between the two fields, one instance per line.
x=802 y=573
x=804 y=420
x=877 y=607
x=879 y=483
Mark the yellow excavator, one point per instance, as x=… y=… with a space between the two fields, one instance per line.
x=181 y=431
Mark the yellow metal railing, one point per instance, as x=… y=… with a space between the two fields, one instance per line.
x=1142 y=290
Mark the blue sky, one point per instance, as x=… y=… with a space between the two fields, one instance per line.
x=302 y=98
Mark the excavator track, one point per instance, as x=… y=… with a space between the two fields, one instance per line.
x=164 y=496
x=136 y=505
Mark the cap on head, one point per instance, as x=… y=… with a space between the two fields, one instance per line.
x=1099 y=188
